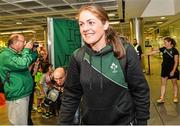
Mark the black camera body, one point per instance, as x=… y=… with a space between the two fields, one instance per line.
x=35 y=44
x=51 y=97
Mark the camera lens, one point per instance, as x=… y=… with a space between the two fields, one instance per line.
x=35 y=45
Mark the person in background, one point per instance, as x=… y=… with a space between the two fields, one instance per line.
x=39 y=88
x=52 y=101
x=31 y=99
x=45 y=79
x=59 y=76
x=97 y=80
x=14 y=63
x=46 y=82
x=139 y=52
x=169 y=67
x=137 y=48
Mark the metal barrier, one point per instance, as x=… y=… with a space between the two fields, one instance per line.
x=149 y=67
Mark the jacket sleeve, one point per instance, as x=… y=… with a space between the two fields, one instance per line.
x=34 y=55
x=138 y=86
x=21 y=61
x=72 y=93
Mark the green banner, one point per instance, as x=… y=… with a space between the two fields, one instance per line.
x=66 y=39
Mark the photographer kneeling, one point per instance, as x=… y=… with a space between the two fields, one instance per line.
x=52 y=101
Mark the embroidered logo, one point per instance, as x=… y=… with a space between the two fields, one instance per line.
x=114 y=68
x=170 y=53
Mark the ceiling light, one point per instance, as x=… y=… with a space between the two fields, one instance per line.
x=111 y=15
x=18 y=23
x=26 y=31
x=13 y=32
x=5 y=33
x=151 y=28
x=114 y=22
x=163 y=18
x=159 y=22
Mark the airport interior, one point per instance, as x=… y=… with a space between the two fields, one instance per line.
x=149 y=21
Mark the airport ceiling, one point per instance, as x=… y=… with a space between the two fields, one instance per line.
x=32 y=14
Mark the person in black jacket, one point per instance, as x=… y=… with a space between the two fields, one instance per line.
x=98 y=82
x=137 y=48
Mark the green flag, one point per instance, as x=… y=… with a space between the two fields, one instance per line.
x=66 y=39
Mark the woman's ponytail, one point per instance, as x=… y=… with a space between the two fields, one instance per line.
x=113 y=38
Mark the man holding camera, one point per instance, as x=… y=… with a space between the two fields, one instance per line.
x=18 y=82
x=53 y=98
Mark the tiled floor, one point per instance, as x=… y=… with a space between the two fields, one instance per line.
x=164 y=114
x=3 y=116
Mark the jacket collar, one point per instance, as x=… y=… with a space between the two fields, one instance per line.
x=103 y=51
x=13 y=50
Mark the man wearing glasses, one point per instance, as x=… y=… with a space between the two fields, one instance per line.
x=18 y=82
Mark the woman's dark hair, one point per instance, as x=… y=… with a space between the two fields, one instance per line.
x=111 y=35
x=45 y=67
x=169 y=39
x=113 y=38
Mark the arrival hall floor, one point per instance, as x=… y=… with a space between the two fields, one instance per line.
x=161 y=114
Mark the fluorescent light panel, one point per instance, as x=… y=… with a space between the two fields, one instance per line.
x=159 y=22
x=13 y=32
x=111 y=15
x=114 y=22
x=163 y=18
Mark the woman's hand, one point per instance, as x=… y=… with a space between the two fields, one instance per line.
x=172 y=73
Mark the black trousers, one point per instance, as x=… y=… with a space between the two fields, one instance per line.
x=31 y=99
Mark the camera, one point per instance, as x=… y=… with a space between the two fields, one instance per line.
x=52 y=96
x=35 y=44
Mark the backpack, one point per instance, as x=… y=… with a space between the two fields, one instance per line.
x=79 y=54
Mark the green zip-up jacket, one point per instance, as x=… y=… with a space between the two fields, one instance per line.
x=20 y=82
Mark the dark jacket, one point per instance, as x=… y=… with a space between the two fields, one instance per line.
x=106 y=97
x=20 y=80
x=138 y=50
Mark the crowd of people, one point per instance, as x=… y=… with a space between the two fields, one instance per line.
x=104 y=83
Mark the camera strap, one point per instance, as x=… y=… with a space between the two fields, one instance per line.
x=168 y=53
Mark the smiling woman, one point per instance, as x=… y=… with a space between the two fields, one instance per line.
x=93 y=30
x=97 y=77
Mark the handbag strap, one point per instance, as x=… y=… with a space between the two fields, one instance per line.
x=169 y=53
